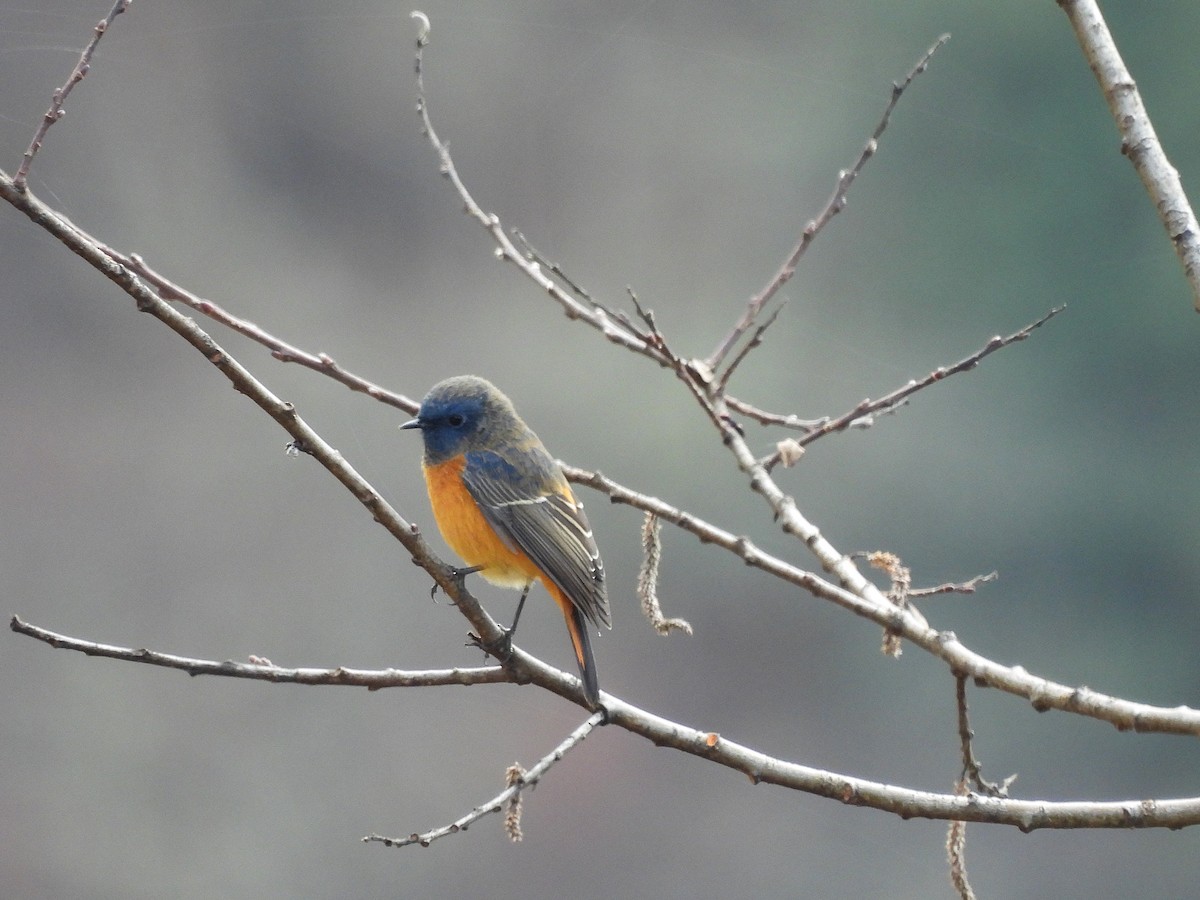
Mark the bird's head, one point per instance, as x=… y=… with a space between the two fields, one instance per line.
x=461 y=414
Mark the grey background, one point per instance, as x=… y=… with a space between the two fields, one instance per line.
x=266 y=155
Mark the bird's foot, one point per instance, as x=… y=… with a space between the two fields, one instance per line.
x=501 y=648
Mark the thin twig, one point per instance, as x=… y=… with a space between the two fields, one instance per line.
x=863 y=415
x=755 y=340
x=689 y=372
x=785 y=420
x=955 y=587
x=262 y=670
x=972 y=770
x=888 y=402
x=591 y=313
x=281 y=350
x=501 y=800
x=536 y=256
x=59 y=98
x=835 y=204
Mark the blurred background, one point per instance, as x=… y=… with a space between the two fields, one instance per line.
x=267 y=156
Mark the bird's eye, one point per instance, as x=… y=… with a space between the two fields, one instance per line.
x=456 y=420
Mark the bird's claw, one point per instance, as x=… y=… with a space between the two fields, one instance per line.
x=501 y=648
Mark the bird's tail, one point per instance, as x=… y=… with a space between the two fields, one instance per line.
x=581 y=641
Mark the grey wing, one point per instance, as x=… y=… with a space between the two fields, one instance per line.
x=535 y=512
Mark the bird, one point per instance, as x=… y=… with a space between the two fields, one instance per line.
x=503 y=504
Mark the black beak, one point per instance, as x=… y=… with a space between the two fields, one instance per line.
x=411 y=423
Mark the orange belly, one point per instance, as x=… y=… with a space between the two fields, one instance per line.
x=468 y=532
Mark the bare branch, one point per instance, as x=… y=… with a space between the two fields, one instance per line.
x=759 y=767
x=1139 y=141
x=518 y=667
x=1043 y=694
x=786 y=420
x=1027 y=815
x=972 y=771
x=303 y=436
x=591 y=313
x=534 y=255
x=263 y=670
x=281 y=350
x=962 y=587
x=889 y=402
x=854 y=593
x=835 y=204
x=754 y=341
x=502 y=800
x=56 y=110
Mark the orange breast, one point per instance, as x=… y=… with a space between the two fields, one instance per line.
x=468 y=533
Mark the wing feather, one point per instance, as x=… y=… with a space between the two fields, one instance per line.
x=529 y=503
